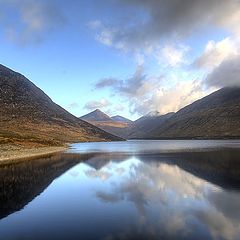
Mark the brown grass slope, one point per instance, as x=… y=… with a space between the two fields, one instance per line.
x=117 y=128
x=28 y=114
x=214 y=116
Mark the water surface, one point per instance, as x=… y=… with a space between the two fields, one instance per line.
x=125 y=190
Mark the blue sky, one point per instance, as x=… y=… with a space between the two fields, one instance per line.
x=124 y=57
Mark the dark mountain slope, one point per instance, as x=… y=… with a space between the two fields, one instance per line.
x=118 y=118
x=144 y=125
x=27 y=113
x=214 y=116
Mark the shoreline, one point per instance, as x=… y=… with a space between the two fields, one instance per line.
x=18 y=155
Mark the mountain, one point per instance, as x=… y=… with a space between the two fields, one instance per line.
x=214 y=116
x=96 y=116
x=106 y=123
x=124 y=127
x=28 y=114
x=118 y=118
x=144 y=125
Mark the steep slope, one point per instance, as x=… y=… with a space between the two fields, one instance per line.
x=144 y=125
x=214 y=116
x=96 y=116
x=27 y=113
x=118 y=118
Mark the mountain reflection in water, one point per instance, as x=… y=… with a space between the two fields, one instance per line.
x=191 y=195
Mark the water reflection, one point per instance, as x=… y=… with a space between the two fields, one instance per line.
x=174 y=204
x=20 y=183
x=191 y=195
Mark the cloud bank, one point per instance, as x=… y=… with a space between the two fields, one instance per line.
x=227 y=74
x=158 y=29
x=160 y=20
x=145 y=93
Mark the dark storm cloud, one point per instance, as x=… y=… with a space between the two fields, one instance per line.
x=157 y=19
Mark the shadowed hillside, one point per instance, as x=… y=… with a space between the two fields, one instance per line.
x=118 y=118
x=28 y=114
x=144 y=125
x=214 y=116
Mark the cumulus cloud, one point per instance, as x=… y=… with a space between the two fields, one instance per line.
x=157 y=20
x=138 y=84
x=31 y=20
x=146 y=93
x=216 y=52
x=171 y=56
x=226 y=74
x=92 y=105
x=165 y=100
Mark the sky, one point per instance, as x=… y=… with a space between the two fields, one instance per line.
x=125 y=57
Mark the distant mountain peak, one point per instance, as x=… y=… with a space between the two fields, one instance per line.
x=97 y=116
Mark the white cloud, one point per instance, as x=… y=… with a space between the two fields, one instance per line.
x=216 y=52
x=106 y=35
x=166 y=99
x=145 y=93
x=92 y=105
x=171 y=56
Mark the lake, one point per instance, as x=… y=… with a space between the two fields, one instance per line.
x=125 y=190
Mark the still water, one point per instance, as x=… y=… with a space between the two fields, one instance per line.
x=125 y=190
